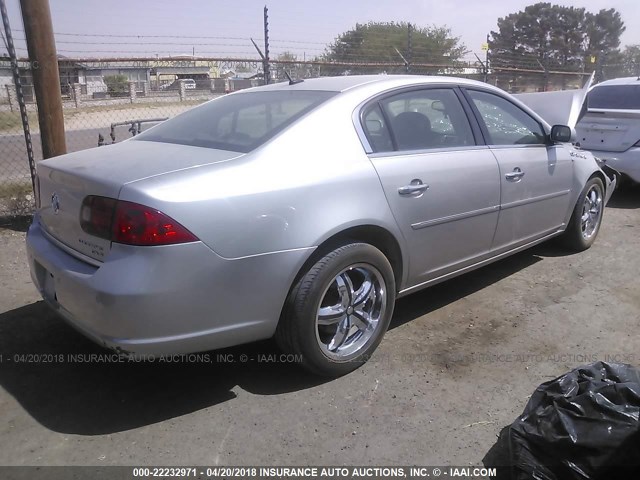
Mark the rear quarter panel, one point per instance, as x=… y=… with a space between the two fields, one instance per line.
x=302 y=187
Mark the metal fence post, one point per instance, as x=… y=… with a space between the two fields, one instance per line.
x=12 y=96
x=132 y=91
x=15 y=208
x=266 y=68
x=77 y=92
x=182 y=90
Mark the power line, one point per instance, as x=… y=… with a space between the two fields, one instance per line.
x=110 y=35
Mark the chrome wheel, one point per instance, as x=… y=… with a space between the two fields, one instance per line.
x=591 y=211
x=350 y=311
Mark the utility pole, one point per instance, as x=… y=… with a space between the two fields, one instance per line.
x=265 y=68
x=545 y=77
x=484 y=67
x=599 y=67
x=409 y=47
x=486 y=62
x=41 y=46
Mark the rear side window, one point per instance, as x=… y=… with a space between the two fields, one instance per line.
x=614 y=97
x=375 y=127
x=240 y=122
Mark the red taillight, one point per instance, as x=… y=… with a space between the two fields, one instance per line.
x=131 y=223
x=135 y=224
x=96 y=216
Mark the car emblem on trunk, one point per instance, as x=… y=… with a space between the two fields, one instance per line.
x=55 y=203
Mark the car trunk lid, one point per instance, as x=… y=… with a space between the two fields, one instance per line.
x=561 y=107
x=611 y=131
x=65 y=181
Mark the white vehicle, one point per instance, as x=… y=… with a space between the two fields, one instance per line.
x=610 y=125
x=189 y=84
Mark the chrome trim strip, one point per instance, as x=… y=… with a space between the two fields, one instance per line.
x=483 y=211
x=526 y=201
x=518 y=147
x=612 y=110
x=427 y=151
x=80 y=256
x=474 y=266
x=453 y=218
x=288 y=250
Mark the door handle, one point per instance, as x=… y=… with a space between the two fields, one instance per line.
x=416 y=186
x=516 y=175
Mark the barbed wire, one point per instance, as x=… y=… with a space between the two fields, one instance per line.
x=383 y=48
x=378 y=47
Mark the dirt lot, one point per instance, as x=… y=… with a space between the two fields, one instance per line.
x=457 y=365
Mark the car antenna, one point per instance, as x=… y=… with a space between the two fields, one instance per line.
x=291 y=81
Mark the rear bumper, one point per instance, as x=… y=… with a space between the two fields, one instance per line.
x=612 y=181
x=164 y=300
x=627 y=162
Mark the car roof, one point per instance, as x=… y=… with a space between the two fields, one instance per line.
x=365 y=86
x=619 y=81
x=349 y=82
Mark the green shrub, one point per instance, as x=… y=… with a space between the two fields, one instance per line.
x=117 y=84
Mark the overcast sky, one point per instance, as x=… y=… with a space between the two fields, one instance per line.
x=297 y=25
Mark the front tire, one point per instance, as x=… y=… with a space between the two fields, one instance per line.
x=586 y=219
x=337 y=313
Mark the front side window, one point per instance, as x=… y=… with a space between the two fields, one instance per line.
x=429 y=118
x=505 y=122
x=239 y=122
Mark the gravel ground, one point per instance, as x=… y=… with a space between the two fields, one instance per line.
x=457 y=365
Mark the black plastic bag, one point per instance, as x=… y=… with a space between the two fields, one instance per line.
x=582 y=425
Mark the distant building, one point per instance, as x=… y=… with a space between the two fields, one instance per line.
x=168 y=74
x=6 y=78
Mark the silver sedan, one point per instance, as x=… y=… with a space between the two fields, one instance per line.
x=302 y=211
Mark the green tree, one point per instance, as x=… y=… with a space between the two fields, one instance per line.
x=602 y=39
x=116 y=84
x=631 y=61
x=603 y=31
x=554 y=36
x=566 y=38
x=376 y=42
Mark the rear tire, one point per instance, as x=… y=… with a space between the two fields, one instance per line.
x=587 y=216
x=337 y=313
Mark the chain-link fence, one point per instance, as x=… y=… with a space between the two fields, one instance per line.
x=116 y=103
x=109 y=100
x=16 y=193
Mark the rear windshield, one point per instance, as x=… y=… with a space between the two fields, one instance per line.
x=240 y=122
x=615 y=97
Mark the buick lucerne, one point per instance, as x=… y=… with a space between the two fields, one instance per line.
x=302 y=210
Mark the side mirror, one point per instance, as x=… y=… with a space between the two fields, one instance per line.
x=562 y=134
